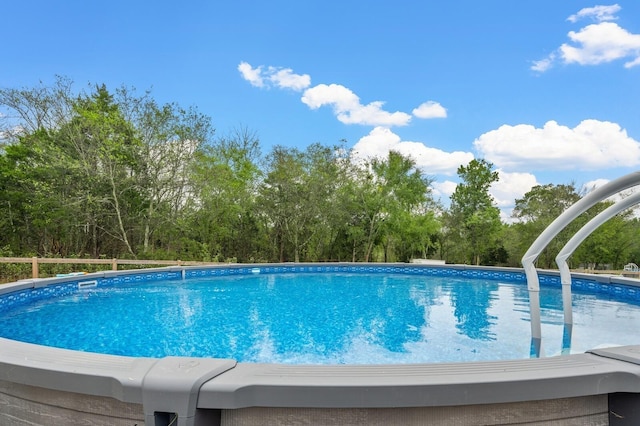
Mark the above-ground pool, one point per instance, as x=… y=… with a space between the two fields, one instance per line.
x=266 y=344
x=383 y=316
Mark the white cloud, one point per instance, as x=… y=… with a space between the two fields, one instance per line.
x=286 y=79
x=339 y=96
x=597 y=13
x=591 y=145
x=348 y=109
x=593 y=184
x=381 y=140
x=432 y=161
x=600 y=43
x=283 y=78
x=543 y=64
x=430 y=109
x=252 y=75
x=443 y=189
x=596 y=43
x=632 y=63
x=511 y=186
x=508 y=188
x=346 y=105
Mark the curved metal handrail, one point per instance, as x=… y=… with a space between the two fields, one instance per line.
x=567 y=251
x=577 y=239
x=561 y=222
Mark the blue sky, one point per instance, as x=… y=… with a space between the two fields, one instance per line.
x=548 y=91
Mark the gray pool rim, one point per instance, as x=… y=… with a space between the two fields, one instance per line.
x=185 y=388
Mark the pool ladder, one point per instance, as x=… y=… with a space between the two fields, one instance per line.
x=551 y=231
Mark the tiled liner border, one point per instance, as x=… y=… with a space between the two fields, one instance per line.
x=57 y=289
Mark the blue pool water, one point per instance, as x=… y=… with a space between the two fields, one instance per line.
x=318 y=318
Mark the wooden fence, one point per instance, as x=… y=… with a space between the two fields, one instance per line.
x=627 y=274
x=36 y=261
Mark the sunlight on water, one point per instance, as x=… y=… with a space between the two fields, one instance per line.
x=319 y=319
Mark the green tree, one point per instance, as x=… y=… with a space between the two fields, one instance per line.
x=104 y=145
x=170 y=137
x=610 y=244
x=535 y=211
x=76 y=178
x=298 y=199
x=474 y=221
x=223 y=221
x=633 y=254
x=328 y=171
x=31 y=166
x=36 y=196
x=28 y=110
x=387 y=196
x=413 y=235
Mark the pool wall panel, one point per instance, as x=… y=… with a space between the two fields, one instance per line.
x=22 y=405
x=592 y=410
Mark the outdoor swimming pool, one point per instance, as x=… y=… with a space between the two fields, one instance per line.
x=319 y=318
x=159 y=382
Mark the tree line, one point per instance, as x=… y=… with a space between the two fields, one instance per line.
x=113 y=173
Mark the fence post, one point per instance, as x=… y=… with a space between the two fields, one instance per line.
x=114 y=264
x=34 y=267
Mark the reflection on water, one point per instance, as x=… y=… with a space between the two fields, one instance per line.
x=340 y=319
x=321 y=318
x=471 y=307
